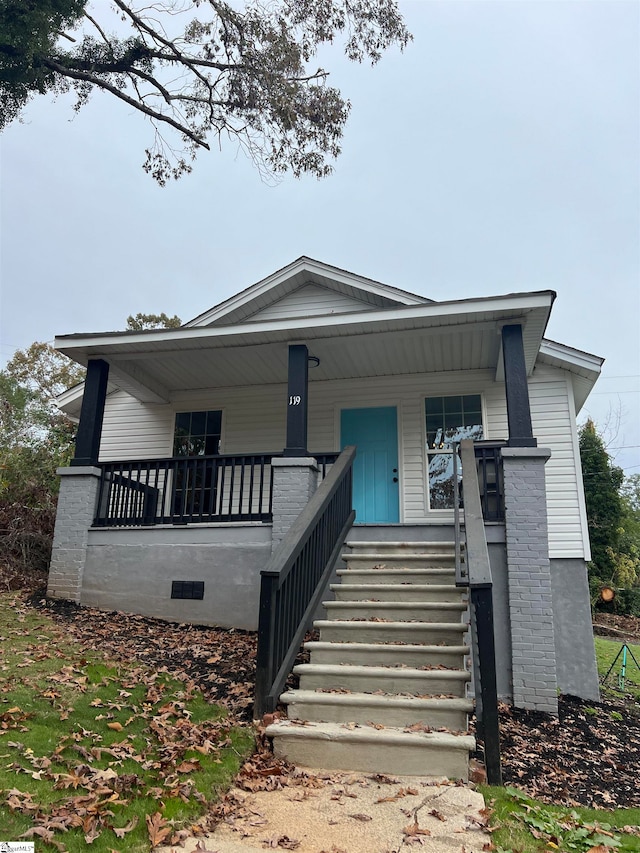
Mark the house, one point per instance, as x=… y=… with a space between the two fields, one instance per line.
x=198 y=446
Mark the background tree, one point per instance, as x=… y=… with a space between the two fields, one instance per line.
x=629 y=543
x=602 y=482
x=35 y=438
x=139 y=322
x=199 y=69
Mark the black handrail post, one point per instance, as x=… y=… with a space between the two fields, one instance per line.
x=482 y=600
x=266 y=637
x=150 y=506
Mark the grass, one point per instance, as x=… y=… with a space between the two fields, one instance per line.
x=606 y=652
x=527 y=826
x=93 y=752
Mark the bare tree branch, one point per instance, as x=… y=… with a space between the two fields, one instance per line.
x=99 y=29
x=103 y=84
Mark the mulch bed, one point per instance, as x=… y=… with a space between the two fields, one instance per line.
x=588 y=756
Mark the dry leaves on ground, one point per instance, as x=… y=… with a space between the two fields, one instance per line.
x=588 y=756
x=581 y=758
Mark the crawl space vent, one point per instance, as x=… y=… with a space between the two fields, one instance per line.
x=188 y=589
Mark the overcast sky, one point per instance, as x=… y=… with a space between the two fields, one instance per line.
x=499 y=153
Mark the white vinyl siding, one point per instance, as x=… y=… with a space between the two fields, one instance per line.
x=254 y=421
x=554 y=427
x=135 y=430
x=308 y=301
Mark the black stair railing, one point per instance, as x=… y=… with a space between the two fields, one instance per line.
x=296 y=576
x=478 y=578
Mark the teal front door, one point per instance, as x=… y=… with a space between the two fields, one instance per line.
x=375 y=470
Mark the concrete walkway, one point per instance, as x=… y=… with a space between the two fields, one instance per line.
x=350 y=813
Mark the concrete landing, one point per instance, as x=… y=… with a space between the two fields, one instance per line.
x=351 y=813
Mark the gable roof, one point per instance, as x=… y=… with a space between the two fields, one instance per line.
x=334 y=290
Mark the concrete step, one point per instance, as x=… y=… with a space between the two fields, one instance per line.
x=386 y=709
x=419 y=633
x=380 y=654
x=388 y=679
x=394 y=576
x=417 y=560
x=390 y=658
x=395 y=592
x=399 y=547
x=335 y=747
x=396 y=611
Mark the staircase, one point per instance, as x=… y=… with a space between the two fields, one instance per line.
x=385 y=689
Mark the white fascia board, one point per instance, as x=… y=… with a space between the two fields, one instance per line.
x=80 y=346
x=70 y=401
x=573 y=358
x=71 y=395
x=302 y=265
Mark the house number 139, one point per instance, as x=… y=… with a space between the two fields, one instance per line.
x=295 y=401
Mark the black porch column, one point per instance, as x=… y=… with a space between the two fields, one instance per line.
x=297 y=402
x=516 y=388
x=91 y=413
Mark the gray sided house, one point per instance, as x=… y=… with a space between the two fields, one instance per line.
x=198 y=447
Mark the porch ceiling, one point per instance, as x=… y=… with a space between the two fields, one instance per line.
x=415 y=339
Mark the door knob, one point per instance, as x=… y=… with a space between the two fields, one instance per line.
x=395 y=479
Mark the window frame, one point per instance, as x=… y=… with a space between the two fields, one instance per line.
x=191 y=412
x=428 y=454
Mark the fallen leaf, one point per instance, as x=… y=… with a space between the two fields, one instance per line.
x=413 y=830
x=157 y=828
x=438 y=815
x=121 y=831
x=282 y=841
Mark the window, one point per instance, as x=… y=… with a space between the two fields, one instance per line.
x=197 y=433
x=448 y=420
x=195 y=484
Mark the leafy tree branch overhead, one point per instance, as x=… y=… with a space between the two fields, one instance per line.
x=200 y=70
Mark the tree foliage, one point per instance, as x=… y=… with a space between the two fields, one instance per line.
x=140 y=322
x=200 y=69
x=35 y=438
x=613 y=514
x=630 y=531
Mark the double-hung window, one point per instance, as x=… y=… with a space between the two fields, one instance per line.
x=195 y=483
x=448 y=421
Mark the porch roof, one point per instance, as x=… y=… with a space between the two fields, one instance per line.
x=428 y=337
x=584 y=367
